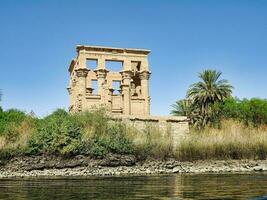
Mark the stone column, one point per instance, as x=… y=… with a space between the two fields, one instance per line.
x=101 y=84
x=144 y=76
x=125 y=86
x=80 y=101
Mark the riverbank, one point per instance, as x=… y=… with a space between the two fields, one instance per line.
x=119 y=165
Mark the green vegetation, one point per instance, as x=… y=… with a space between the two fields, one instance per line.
x=201 y=97
x=251 y=112
x=209 y=101
x=222 y=127
x=93 y=134
x=88 y=133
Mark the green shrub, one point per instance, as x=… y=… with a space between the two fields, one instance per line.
x=57 y=133
x=66 y=134
x=10 y=116
x=251 y=112
x=113 y=141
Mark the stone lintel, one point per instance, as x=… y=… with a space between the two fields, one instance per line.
x=112 y=49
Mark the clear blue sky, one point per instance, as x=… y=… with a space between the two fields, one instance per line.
x=38 y=39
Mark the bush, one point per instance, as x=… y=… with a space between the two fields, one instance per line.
x=58 y=133
x=83 y=133
x=251 y=112
x=113 y=141
x=13 y=116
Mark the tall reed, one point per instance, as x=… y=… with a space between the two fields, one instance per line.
x=151 y=142
x=233 y=141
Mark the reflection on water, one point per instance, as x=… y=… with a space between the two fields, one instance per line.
x=172 y=187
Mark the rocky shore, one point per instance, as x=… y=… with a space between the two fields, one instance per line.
x=118 y=165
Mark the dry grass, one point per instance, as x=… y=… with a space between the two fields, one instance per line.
x=150 y=142
x=16 y=141
x=233 y=141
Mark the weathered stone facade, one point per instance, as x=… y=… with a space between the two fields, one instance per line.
x=132 y=96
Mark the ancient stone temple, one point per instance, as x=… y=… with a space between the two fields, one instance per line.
x=123 y=90
x=93 y=81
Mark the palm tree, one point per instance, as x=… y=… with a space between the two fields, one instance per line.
x=209 y=90
x=181 y=108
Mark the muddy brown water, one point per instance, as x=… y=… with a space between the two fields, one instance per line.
x=171 y=187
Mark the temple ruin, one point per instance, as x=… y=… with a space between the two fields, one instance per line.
x=124 y=90
x=93 y=82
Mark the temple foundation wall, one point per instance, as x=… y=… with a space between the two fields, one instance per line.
x=175 y=127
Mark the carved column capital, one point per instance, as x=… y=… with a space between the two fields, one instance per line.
x=82 y=72
x=126 y=74
x=144 y=75
x=101 y=73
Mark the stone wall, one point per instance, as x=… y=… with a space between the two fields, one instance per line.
x=177 y=127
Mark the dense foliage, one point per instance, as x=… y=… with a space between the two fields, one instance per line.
x=209 y=90
x=10 y=118
x=87 y=133
x=250 y=111
x=62 y=134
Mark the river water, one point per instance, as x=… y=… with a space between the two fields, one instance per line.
x=171 y=187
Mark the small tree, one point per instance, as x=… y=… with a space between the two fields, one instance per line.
x=209 y=90
x=201 y=99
